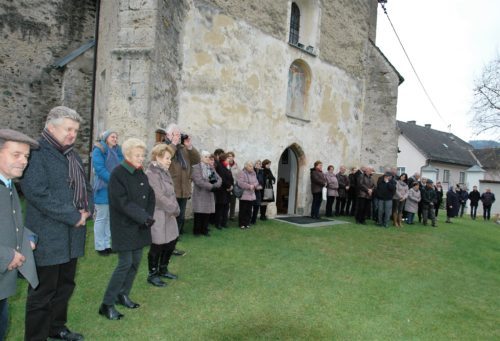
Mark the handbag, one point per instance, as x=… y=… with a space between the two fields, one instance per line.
x=268 y=195
x=325 y=193
x=237 y=191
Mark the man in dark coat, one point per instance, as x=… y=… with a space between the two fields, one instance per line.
x=429 y=200
x=474 y=197
x=58 y=204
x=488 y=199
x=463 y=196
x=365 y=188
x=452 y=204
x=16 y=241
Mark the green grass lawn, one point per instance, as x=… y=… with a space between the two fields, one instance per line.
x=280 y=281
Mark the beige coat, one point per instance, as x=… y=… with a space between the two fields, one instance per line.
x=164 y=230
x=203 y=196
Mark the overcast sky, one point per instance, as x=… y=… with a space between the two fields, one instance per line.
x=449 y=42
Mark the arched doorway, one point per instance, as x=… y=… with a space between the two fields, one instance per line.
x=286 y=188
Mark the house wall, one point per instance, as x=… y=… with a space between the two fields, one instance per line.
x=409 y=156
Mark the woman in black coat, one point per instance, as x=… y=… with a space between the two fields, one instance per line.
x=131 y=207
x=223 y=193
x=269 y=181
x=257 y=166
x=452 y=204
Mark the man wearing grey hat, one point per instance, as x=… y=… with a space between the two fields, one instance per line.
x=58 y=203
x=16 y=241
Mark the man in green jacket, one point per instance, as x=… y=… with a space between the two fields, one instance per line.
x=16 y=241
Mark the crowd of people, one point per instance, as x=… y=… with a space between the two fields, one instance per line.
x=136 y=207
x=133 y=207
x=391 y=197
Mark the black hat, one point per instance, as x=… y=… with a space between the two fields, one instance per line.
x=15 y=136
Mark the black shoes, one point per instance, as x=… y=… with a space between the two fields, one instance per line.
x=102 y=253
x=179 y=253
x=66 y=334
x=155 y=280
x=125 y=301
x=168 y=275
x=109 y=312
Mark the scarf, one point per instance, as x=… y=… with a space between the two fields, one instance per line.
x=76 y=172
x=206 y=171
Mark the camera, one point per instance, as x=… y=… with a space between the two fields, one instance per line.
x=212 y=178
x=184 y=137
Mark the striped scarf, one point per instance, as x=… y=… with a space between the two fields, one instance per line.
x=76 y=172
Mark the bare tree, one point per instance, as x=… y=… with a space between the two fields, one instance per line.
x=486 y=106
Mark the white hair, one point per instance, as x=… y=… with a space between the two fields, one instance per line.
x=171 y=128
x=132 y=143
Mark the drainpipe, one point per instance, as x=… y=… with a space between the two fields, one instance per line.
x=94 y=79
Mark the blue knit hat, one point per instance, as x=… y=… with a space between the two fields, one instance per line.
x=105 y=135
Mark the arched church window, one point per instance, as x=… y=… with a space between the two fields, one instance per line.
x=299 y=81
x=294 y=24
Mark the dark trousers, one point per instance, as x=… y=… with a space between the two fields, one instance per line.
x=350 y=208
x=340 y=206
x=362 y=207
x=255 y=213
x=232 y=206
x=316 y=204
x=123 y=277
x=245 y=213
x=486 y=212
x=473 y=211
x=428 y=213
x=163 y=252
x=181 y=217
x=263 y=210
x=462 y=208
x=221 y=214
x=200 y=223
x=4 y=318
x=47 y=305
x=329 y=206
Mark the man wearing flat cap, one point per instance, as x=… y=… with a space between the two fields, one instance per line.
x=16 y=241
x=429 y=200
x=58 y=203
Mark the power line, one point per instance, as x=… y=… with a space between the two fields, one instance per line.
x=382 y=3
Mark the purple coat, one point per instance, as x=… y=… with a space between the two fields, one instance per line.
x=247 y=179
x=332 y=184
x=164 y=230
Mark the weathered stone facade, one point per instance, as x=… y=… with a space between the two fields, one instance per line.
x=220 y=69
x=35 y=34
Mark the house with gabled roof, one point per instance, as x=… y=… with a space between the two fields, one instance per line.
x=438 y=155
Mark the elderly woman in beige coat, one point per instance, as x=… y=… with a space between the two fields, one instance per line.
x=164 y=232
x=205 y=181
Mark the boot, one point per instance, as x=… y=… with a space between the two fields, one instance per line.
x=400 y=220
x=164 y=260
x=153 y=277
x=395 y=219
x=263 y=210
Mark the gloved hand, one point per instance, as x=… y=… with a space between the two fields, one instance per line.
x=147 y=224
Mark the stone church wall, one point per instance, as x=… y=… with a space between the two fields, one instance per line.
x=35 y=34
